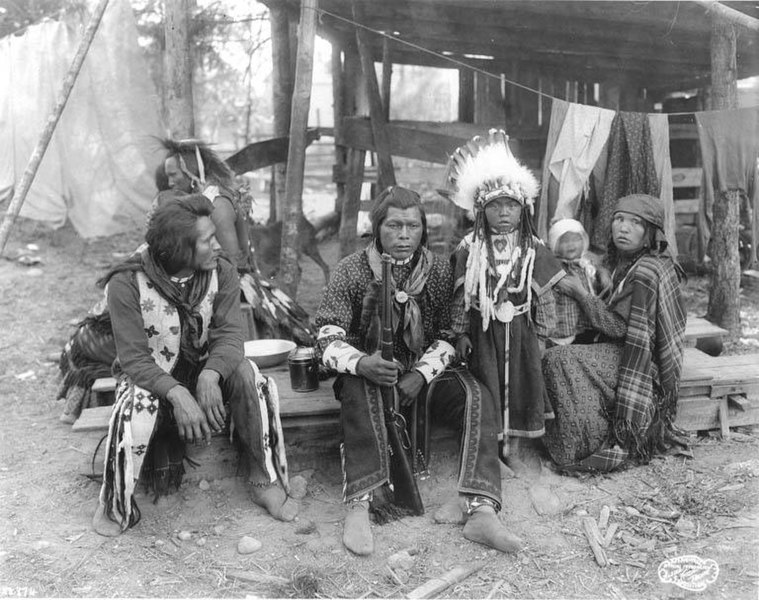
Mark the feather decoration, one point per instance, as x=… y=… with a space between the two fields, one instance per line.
x=484 y=169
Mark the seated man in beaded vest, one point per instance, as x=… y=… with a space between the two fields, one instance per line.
x=175 y=308
x=422 y=291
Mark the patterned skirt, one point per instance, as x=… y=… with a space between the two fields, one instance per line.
x=581 y=383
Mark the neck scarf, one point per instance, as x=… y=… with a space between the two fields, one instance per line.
x=185 y=300
x=407 y=294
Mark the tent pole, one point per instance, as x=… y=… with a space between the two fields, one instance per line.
x=39 y=151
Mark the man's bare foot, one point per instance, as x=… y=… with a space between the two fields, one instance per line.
x=357 y=534
x=274 y=499
x=453 y=512
x=484 y=527
x=103 y=525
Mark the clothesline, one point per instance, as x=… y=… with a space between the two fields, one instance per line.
x=463 y=64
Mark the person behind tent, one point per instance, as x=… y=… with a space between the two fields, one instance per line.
x=191 y=166
x=570 y=243
x=176 y=320
x=503 y=308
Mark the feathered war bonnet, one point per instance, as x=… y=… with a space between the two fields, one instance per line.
x=209 y=166
x=480 y=171
x=484 y=169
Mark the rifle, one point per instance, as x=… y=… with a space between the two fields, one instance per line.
x=405 y=490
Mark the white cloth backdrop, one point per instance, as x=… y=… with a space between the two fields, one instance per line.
x=98 y=168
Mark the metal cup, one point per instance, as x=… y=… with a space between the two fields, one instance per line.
x=304 y=370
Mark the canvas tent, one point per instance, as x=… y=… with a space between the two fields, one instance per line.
x=98 y=170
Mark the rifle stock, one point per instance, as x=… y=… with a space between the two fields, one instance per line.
x=405 y=490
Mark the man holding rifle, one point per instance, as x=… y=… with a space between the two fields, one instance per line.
x=348 y=340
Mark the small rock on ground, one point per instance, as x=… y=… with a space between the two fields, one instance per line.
x=248 y=545
x=298 y=487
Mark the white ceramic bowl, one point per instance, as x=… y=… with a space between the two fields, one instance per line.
x=268 y=353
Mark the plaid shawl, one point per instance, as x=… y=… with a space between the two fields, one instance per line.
x=652 y=358
x=650 y=367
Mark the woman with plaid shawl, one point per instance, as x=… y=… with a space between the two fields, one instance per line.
x=615 y=400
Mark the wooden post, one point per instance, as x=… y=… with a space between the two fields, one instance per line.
x=387 y=75
x=282 y=96
x=354 y=100
x=386 y=176
x=27 y=178
x=352 y=204
x=466 y=95
x=488 y=107
x=338 y=112
x=179 y=103
x=729 y=15
x=289 y=274
x=724 y=292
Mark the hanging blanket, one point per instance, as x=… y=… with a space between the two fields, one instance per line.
x=630 y=169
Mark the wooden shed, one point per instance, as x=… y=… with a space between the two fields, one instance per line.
x=512 y=56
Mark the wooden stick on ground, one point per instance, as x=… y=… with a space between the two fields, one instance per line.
x=595 y=540
x=251 y=577
x=438 y=584
x=19 y=195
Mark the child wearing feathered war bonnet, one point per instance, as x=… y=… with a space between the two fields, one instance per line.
x=503 y=308
x=569 y=242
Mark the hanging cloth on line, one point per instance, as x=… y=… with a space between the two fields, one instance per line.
x=630 y=169
x=730 y=154
x=579 y=144
x=659 y=124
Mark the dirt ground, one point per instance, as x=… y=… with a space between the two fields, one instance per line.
x=703 y=507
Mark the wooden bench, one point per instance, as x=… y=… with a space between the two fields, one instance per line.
x=310 y=421
x=718 y=392
x=699 y=330
x=298 y=410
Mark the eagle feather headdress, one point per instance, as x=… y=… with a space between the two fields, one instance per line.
x=480 y=171
x=484 y=169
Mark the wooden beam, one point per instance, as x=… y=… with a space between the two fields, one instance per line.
x=387 y=75
x=616 y=41
x=289 y=274
x=729 y=15
x=351 y=205
x=431 y=142
x=338 y=112
x=408 y=143
x=466 y=96
x=376 y=112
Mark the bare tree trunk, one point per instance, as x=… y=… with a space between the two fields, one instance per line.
x=724 y=292
x=289 y=274
x=179 y=105
x=282 y=90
